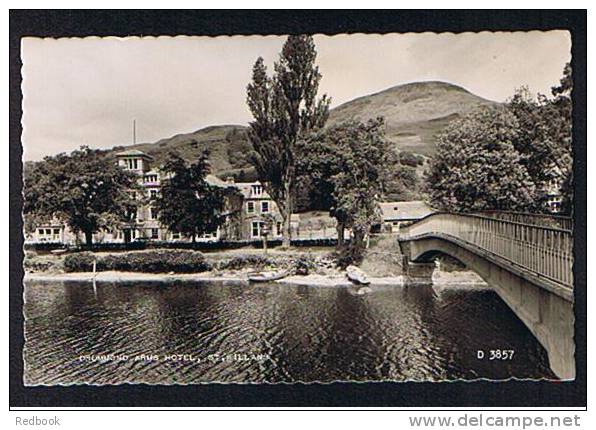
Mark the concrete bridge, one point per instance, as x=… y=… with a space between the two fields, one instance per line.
x=526 y=259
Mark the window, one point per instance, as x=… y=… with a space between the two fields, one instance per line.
x=175 y=235
x=279 y=231
x=256 y=228
x=265 y=207
x=152 y=213
x=250 y=207
x=48 y=231
x=153 y=194
x=56 y=231
x=151 y=178
x=257 y=190
x=132 y=163
x=154 y=233
x=40 y=231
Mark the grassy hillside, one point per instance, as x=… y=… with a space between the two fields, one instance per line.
x=414 y=113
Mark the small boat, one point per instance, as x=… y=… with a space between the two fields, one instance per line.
x=356 y=275
x=59 y=251
x=267 y=276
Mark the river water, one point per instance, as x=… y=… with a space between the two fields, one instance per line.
x=188 y=332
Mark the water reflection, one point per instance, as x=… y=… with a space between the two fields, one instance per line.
x=235 y=332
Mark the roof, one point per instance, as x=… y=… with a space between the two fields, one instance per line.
x=403 y=211
x=134 y=153
x=215 y=181
x=245 y=189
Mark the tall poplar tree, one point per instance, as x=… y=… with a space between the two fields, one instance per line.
x=285 y=109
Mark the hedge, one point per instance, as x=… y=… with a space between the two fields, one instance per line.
x=153 y=261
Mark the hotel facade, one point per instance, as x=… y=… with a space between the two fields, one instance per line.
x=250 y=212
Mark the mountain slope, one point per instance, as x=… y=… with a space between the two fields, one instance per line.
x=414 y=113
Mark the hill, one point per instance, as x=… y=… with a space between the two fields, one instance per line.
x=228 y=147
x=414 y=113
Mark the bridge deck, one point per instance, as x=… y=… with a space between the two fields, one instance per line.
x=541 y=250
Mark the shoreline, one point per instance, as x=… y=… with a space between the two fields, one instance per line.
x=440 y=279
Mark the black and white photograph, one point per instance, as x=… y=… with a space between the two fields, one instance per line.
x=300 y=208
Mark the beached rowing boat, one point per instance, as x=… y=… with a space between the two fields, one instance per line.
x=267 y=276
x=356 y=275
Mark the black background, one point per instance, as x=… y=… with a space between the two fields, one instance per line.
x=64 y=23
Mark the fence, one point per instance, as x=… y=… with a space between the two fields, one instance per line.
x=544 y=250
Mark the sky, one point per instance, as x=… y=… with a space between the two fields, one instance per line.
x=88 y=91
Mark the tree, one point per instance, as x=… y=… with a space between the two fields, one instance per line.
x=359 y=185
x=525 y=149
x=402 y=184
x=544 y=140
x=285 y=110
x=564 y=123
x=187 y=204
x=85 y=189
x=347 y=166
x=322 y=159
x=477 y=166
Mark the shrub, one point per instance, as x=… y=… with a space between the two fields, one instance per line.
x=305 y=264
x=407 y=158
x=40 y=264
x=244 y=261
x=79 y=262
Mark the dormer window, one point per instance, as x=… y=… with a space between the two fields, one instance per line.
x=151 y=178
x=257 y=190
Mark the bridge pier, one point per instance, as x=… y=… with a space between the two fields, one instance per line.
x=418 y=273
x=415 y=272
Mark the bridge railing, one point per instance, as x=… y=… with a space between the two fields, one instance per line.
x=541 y=220
x=544 y=250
